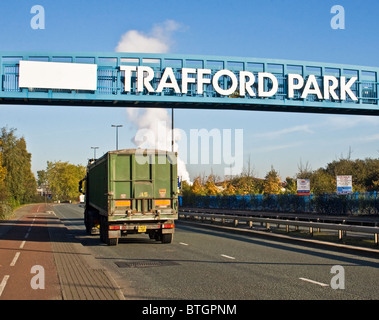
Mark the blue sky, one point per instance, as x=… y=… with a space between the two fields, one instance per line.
x=279 y=29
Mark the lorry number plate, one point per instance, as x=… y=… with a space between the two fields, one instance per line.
x=141 y=228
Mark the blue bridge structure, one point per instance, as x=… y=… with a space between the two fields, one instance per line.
x=187 y=81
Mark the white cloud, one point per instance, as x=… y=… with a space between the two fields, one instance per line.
x=158 y=40
x=349 y=121
x=279 y=133
x=371 y=138
x=277 y=147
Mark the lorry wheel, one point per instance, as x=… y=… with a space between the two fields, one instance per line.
x=167 y=238
x=88 y=220
x=158 y=236
x=86 y=223
x=112 y=241
x=91 y=218
x=101 y=230
x=104 y=237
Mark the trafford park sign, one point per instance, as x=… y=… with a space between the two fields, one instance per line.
x=195 y=82
x=240 y=84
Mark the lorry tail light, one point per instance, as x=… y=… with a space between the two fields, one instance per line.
x=168 y=226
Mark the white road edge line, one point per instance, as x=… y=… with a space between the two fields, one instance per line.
x=228 y=257
x=3 y=284
x=315 y=282
x=15 y=259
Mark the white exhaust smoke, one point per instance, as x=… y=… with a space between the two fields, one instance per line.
x=154 y=132
x=153 y=124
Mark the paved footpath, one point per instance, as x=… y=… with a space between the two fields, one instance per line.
x=38 y=261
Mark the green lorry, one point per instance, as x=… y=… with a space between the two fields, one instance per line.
x=131 y=191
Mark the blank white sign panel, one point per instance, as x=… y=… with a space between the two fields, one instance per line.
x=57 y=75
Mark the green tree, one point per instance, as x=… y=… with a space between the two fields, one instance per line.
x=3 y=172
x=229 y=189
x=370 y=176
x=210 y=186
x=63 y=179
x=323 y=182
x=244 y=185
x=272 y=184
x=41 y=177
x=305 y=171
x=19 y=180
x=186 y=188
x=197 y=187
x=365 y=173
x=291 y=185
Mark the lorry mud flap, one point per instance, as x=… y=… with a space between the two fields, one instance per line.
x=113 y=236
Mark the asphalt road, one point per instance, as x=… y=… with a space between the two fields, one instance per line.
x=211 y=264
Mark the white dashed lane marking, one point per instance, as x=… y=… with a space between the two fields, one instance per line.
x=227 y=257
x=3 y=284
x=15 y=259
x=315 y=282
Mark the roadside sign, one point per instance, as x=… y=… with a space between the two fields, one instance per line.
x=344 y=184
x=303 y=187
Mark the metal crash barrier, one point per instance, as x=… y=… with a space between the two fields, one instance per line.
x=267 y=222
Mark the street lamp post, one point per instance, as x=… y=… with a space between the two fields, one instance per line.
x=116 y=126
x=94 y=152
x=172 y=129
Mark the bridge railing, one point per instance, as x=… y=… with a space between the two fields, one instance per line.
x=233 y=86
